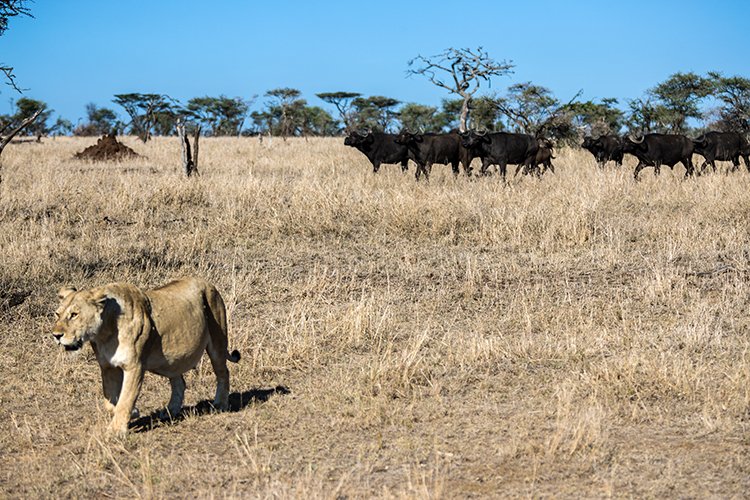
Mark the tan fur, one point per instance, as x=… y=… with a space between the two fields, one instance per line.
x=164 y=331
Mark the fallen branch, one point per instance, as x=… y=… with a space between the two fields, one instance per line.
x=719 y=270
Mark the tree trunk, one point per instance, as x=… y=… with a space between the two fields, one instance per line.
x=464 y=114
x=189 y=161
x=5 y=141
x=196 y=138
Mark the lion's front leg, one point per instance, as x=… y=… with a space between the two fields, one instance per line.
x=112 y=386
x=131 y=387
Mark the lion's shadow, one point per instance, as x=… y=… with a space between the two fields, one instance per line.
x=237 y=402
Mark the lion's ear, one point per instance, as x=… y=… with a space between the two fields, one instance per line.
x=65 y=291
x=100 y=298
x=104 y=300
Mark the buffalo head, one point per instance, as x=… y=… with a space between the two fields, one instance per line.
x=589 y=143
x=356 y=138
x=700 y=142
x=631 y=144
x=406 y=137
x=472 y=138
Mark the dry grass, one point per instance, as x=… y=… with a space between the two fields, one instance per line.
x=559 y=337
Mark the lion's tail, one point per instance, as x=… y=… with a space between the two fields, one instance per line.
x=234 y=356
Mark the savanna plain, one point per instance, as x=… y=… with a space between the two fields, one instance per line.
x=582 y=335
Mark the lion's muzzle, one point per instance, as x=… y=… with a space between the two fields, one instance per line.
x=69 y=345
x=77 y=344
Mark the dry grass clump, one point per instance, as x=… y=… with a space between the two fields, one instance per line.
x=582 y=335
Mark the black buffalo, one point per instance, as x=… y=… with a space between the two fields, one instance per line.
x=501 y=149
x=544 y=156
x=722 y=146
x=379 y=148
x=427 y=149
x=655 y=150
x=604 y=148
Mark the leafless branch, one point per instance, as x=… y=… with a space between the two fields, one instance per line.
x=20 y=127
x=11 y=78
x=466 y=67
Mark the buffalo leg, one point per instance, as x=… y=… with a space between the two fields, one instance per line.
x=690 y=169
x=375 y=167
x=404 y=165
x=703 y=166
x=467 y=165
x=485 y=164
x=735 y=163
x=638 y=168
x=502 y=166
x=454 y=167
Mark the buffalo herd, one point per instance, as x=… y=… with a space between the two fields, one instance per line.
x=534 y=155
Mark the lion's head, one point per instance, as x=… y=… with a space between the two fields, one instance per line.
x=79 y=318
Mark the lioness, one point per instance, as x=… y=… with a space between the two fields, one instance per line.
x=164 y=331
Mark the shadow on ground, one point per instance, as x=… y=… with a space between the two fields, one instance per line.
x=237 y=402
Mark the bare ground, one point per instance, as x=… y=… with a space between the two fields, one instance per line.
x=579 y=336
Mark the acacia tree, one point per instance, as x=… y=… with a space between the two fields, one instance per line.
x=317 y=121
x=99 y=121
x=376 y=112
x=680 y=96
x=25 y=108
x=598 y=119
x=734 y=94
x=461 y=72
x=221 y=115
x=143 y=110
x=284 y=104
x=62 y=126
x=533 y=109
x=645 y=116
x=415 y=116
x=342 y=101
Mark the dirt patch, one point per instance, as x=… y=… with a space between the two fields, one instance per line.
x=107 y=148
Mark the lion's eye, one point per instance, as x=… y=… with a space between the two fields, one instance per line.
x=72 y=315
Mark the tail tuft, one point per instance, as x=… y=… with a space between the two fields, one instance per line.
x=234 y=356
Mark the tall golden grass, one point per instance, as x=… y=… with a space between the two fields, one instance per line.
x=578 y=335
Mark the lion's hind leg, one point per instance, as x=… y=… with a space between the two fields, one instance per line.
x=218 y=356
x=217 y=347
x=178 y=394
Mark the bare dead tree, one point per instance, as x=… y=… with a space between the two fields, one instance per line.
x=4 y=141
x=461 y=72
x=189 y=161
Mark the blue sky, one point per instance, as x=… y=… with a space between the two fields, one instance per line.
x=79 y=51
